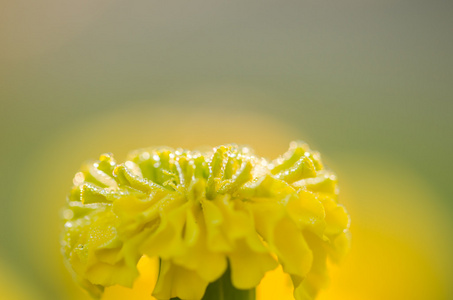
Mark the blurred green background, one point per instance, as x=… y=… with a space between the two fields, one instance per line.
x=367 y=83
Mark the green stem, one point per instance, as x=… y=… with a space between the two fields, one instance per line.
x=223 y=289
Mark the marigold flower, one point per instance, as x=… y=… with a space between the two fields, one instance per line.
x=204 y=215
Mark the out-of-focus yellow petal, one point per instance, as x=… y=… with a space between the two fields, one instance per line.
x=248 y=266
x=337 y=219
x=308 y=212
x=317 y=278
x=209 y=265
x=292 y=250
x=166 y=241
x=143 y=286
x=176 y=281
x=213 y=216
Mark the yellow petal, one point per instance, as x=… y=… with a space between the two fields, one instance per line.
x=337 y=219
x=176 y=281
x=213 y=216
x=166 y=241
x=284 y=239
x=308 y=212
x=317 y=278
x=196 y=256
x=248 y=267
x=291 y=249
x=106 y=274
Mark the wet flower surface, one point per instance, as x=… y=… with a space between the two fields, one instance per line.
x=204 y=215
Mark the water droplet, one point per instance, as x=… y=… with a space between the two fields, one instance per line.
x=68 y=214
x=68 y=224
x=145 y=156
x=79 y=178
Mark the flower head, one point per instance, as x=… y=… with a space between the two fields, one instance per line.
x=201 y=214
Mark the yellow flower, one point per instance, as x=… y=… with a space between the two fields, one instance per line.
x=205 y=215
